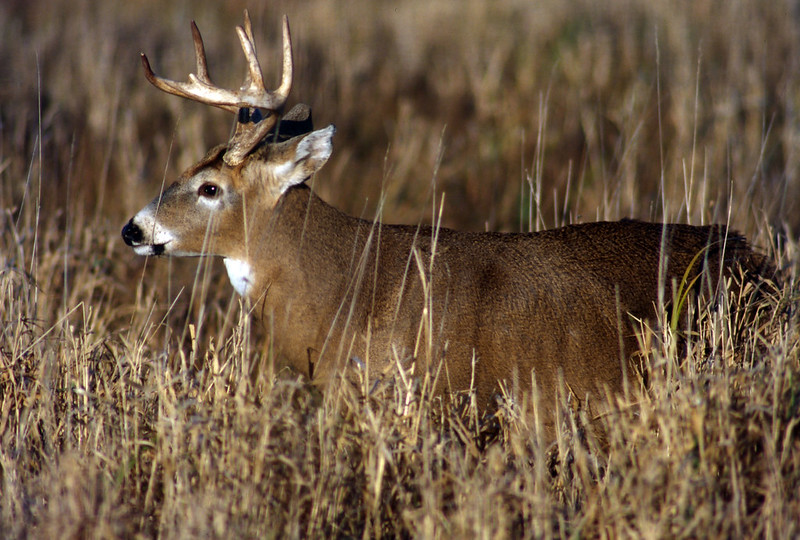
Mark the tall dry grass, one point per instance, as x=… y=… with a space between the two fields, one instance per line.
x=136 y=401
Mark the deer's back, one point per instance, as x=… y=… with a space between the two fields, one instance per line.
x=629 y=258
x=556 y=303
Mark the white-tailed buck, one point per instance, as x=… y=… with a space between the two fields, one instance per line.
x=486 y=307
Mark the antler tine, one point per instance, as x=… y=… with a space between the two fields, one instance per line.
x=200 y=55
x=288 y=64
x=255 y=79
x=248 y=28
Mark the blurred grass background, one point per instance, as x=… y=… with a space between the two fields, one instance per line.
x=615 y=107
x=119 y=420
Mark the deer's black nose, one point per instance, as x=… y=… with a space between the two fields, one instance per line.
x=131 y=233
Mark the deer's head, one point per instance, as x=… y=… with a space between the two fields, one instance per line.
x=211 y=207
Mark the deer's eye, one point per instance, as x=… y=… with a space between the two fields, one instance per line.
x=209 y=190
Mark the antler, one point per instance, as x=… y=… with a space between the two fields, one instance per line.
x=250 y=129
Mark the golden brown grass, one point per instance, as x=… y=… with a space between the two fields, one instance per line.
x=134 y=400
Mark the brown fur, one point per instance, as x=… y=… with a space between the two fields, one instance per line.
x=491 y=307
x=547 y=303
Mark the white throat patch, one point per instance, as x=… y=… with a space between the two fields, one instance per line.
x=240 y=274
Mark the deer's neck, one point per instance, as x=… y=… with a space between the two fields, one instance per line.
x=297 y=269
x=304 y=247
x=308 y=237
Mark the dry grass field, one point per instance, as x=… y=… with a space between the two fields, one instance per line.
x=137 y=401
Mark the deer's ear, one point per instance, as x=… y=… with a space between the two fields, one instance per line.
x=302 y=157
